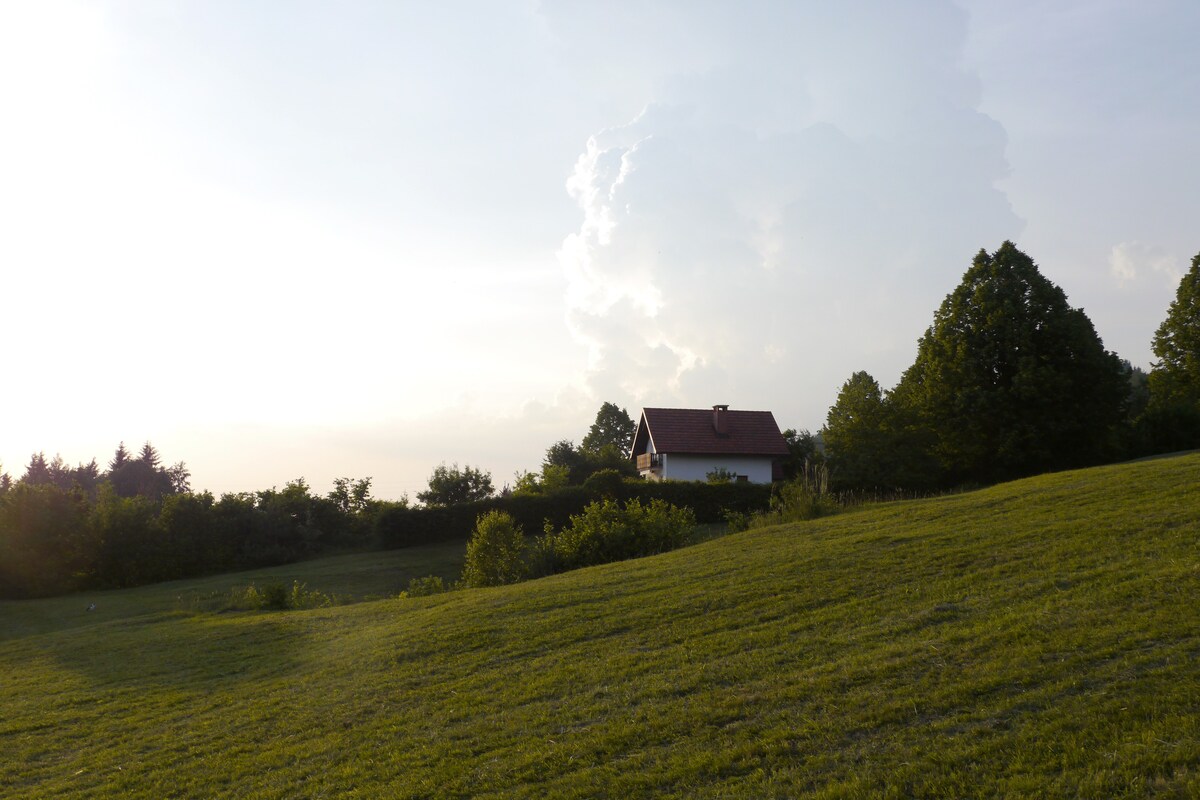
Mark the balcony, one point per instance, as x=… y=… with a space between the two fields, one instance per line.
x=649 y=461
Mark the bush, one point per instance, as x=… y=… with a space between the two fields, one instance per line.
x=423 y=587
x=606 y=532
x=606 y=483
x=806 y=497
x=494 y=551
x=276 y=597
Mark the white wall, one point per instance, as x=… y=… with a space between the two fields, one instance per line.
x=696 y=468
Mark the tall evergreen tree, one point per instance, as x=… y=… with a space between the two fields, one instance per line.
x=1010 y=379
x=149 y=456
x=37 y=472
x=119 y=459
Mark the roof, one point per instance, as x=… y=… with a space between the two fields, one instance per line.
x=691 y=430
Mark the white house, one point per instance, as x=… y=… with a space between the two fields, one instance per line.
x=685 y=444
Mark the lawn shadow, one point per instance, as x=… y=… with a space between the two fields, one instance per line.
x=179 y=651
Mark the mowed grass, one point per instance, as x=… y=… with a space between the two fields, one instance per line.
x=1040 y=638
x=346 y=578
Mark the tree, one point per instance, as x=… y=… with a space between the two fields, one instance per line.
x=119 y=459
x=144 y=476
x=351 y=496
x=1011 y=380
x=564 y=455
x=803 y=447
x=37 y=473
x=612 y=430
x=450 y=486
x=856 y=433
x=149 y=456
x=1175 y=378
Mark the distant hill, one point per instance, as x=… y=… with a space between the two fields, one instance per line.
x=1038 y=638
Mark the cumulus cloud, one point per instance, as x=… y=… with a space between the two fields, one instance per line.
x=1129 y=261
x=792 y=203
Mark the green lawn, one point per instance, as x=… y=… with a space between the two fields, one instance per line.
x=348 y=577
x=1040 y=638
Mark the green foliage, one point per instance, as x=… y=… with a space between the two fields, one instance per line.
x=449 y=486
x=605 y=531
x=606 y=483
x=803 y=448
x=805 y=497
x=1175 y=378
x=612 y=432
x=605 y=447
x=857 y=434
x=145 y=476
x=45 y=542
x=398 y=526
x=275 y=596
x=719 y=475
x=552 y=478
x=1010 y=380
x=59 y=533
x=494 y=553
x=425 y=586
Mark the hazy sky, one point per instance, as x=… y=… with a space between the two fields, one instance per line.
x=321 y=240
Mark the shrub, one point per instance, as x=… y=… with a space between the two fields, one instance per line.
x=423 y=587
x=494 y=551
x=606 y=483
x=719 y=475
x=276 y=597
x=806 y=497
x=604 y=531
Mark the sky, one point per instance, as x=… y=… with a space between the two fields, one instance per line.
x=365 y=238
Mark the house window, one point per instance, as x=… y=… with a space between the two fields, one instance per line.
x=742 y=478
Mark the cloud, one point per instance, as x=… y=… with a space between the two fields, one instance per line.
x=1132 y=260
x=789 y=207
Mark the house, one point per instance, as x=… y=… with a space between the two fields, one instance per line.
x=685 y=444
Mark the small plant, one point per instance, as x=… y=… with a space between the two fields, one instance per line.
x=804 y=498
x=276 y=597
x=303 y=597
x=494 y=553
x=736 y=521
x=423 y=587
x=720 y=475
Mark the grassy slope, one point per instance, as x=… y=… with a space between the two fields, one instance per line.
x=1037 y=638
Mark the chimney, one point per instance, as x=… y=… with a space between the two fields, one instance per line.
x=721 y=420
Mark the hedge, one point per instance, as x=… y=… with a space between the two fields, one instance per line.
x=398 y=526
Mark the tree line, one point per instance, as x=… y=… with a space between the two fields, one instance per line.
x=1009 y=380
x=66 y=528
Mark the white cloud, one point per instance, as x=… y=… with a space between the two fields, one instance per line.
x=1132 y=260
x=787 y=211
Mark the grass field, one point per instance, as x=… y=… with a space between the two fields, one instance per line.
x=1040 y=638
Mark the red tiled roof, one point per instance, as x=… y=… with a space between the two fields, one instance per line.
x=691 y=430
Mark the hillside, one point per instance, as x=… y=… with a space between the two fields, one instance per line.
x=1036 y=638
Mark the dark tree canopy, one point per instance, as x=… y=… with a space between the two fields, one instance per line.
x=450 y=486
x=854 y=432
x=1175 y=379
x=1010 y=379
x=612 y=431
